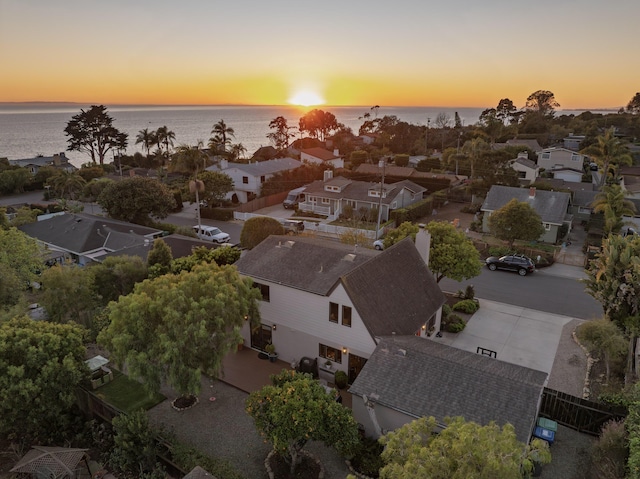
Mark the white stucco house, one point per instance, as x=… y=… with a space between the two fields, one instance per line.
x=320 y=156
x=527 y=170
x=326 y=300
x=248 y=177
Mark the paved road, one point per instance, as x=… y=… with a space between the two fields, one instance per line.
x=548 y=290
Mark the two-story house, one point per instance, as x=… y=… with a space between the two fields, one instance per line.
x=563 y=163
x=58 y=161
x=248 y=177
x=527 y=170
x=326 y=300
x=320 y=156
x=330 y=196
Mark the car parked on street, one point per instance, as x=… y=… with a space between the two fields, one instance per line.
x=211 y=233
x=516 y=262
x=293 y=227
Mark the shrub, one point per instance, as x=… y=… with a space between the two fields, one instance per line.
x=609 y=454
x=469 y=292
x=468 y=306
x=499 y=250
x=446 y=310
x=366 y=459
x=221 y=214
x=473 y=209
x=453 y=323
x=340 y=378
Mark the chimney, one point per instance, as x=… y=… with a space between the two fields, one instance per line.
x=224 y=164
x=336 y=152
x=532 y=192
x=328 y=174
x=423 y=243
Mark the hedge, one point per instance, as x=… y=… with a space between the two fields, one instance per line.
x=221 y=214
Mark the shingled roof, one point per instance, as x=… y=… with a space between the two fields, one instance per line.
x=421 y=377
x=550 y=205
x=395 y=285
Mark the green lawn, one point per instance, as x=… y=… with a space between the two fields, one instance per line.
x=127 y=394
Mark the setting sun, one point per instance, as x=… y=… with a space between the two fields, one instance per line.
x=306 y=98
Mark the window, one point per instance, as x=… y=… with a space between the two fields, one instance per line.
x=333 y=312
x=546 y=156
x=346 y=316
x=547 y=226
x=394 y=205
x=326 y=201
x=332 y=354
x=262 y=179
x=245 y=180
x=264 y=290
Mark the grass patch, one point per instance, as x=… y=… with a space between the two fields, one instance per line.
x=127 y=394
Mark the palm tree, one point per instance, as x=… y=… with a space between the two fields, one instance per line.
x=237 y=151
x=66 y=184
x=612 y=203
x=165 y=137
x=191 y=160
x=474 y=149
x=609 y=153
x=147 y=138
x=223 y=131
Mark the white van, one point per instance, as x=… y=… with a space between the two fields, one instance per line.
x=294 y=198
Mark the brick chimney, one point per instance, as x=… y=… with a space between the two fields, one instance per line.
x=336 y=152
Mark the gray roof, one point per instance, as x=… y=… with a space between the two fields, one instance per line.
x=395 y=284
x=82 y=233
x=393 y=290
x=526 y=162
x=269 y=167
x=180 y=246
x=359 y=190
x=550 y=205
x=309 y=264
x=432 y=379
x=199 y=473
x=584 y=197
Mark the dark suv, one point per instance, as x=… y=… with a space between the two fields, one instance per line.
x=293 y=227
x=515 y=262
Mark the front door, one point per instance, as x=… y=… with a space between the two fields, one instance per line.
x=260 y=337
x=356 y=363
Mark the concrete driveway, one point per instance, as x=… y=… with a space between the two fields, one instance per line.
x=518 y=335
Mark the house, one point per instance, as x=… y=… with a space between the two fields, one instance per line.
x=527 y=170
x=330 y=196
x=249 y=177
x=58 y=161
x=582 y=196
x=630 y=181
x=407 y=378
x=563 y=162
x=327 y=300
x=572 y=142
x=552 y=206
x=320 y=156
x=83 y=238
x=179 y=245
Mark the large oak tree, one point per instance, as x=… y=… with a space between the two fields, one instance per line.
x=516 y=220
x=452 y=254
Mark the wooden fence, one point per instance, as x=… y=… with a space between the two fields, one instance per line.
x=263 y=202
x=577 y=413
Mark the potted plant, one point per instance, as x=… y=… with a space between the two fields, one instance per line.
x=340 y=379
x=270 y=349
x=327 y=364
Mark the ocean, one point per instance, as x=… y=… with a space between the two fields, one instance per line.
x=28 y=130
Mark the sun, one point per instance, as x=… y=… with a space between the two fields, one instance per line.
x=306 y=98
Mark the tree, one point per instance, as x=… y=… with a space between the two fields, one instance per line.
x=610 y=201
x=25 y=215
x=219 y=256
x=462 y=450
x=296 y=409
x=224 y=133
x=516 y=220
x=216 y=186
x=174 y=328
x=282 y=134
x=259 y=228
x=92 y=132
x=67 y=294
x=237 y=151
x=609 y=153
x=401 y=159
x=452 y=254
x=67 y=184
x=474 y=149
x=159 y=259
x=401 y=232
x=542 y=102
x=41 y=366
x=164 y=137
x=318 y=123
x=633 y=106
x=147 y=138
x=357 y=158
x=505 y=111
x=13 y=181
x=20 y=261
x=136 y=199
x=135 y=446
x=117 y=276
x=605 y=339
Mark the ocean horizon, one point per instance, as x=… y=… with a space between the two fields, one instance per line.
x=29 y=129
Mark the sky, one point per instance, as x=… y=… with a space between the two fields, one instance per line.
x=451 y=53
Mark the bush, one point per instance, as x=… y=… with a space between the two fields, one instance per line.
x=499 y=250
x=609 y=454
x=468 y=293
x=473 y=209
x=221 y=214
x=467 y=306
x=340 y=378
x=446 y=310
x=366 y=459
x=453 y=323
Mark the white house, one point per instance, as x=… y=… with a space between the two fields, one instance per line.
x=326 y=300
x=248 y=177
x=527 y=170
x=320 y=156
x=562 y=161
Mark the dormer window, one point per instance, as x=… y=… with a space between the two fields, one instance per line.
x=332 y=188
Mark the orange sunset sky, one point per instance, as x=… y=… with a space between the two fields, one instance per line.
x=400 y=53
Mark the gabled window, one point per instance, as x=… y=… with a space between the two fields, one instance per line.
x=245 y=180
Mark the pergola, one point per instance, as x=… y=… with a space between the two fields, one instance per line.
x=50 y=462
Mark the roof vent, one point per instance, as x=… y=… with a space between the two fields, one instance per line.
x=401 y=352
x=350 y=257
x=279 y=244
x=289 y=244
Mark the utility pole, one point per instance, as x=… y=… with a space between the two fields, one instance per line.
x=381 y=164
x=458 y=152
x=426 y=138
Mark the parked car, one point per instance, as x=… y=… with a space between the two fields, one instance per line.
x=294 y=198
x=520 y=263
x=211 y=233
x=293 y=227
